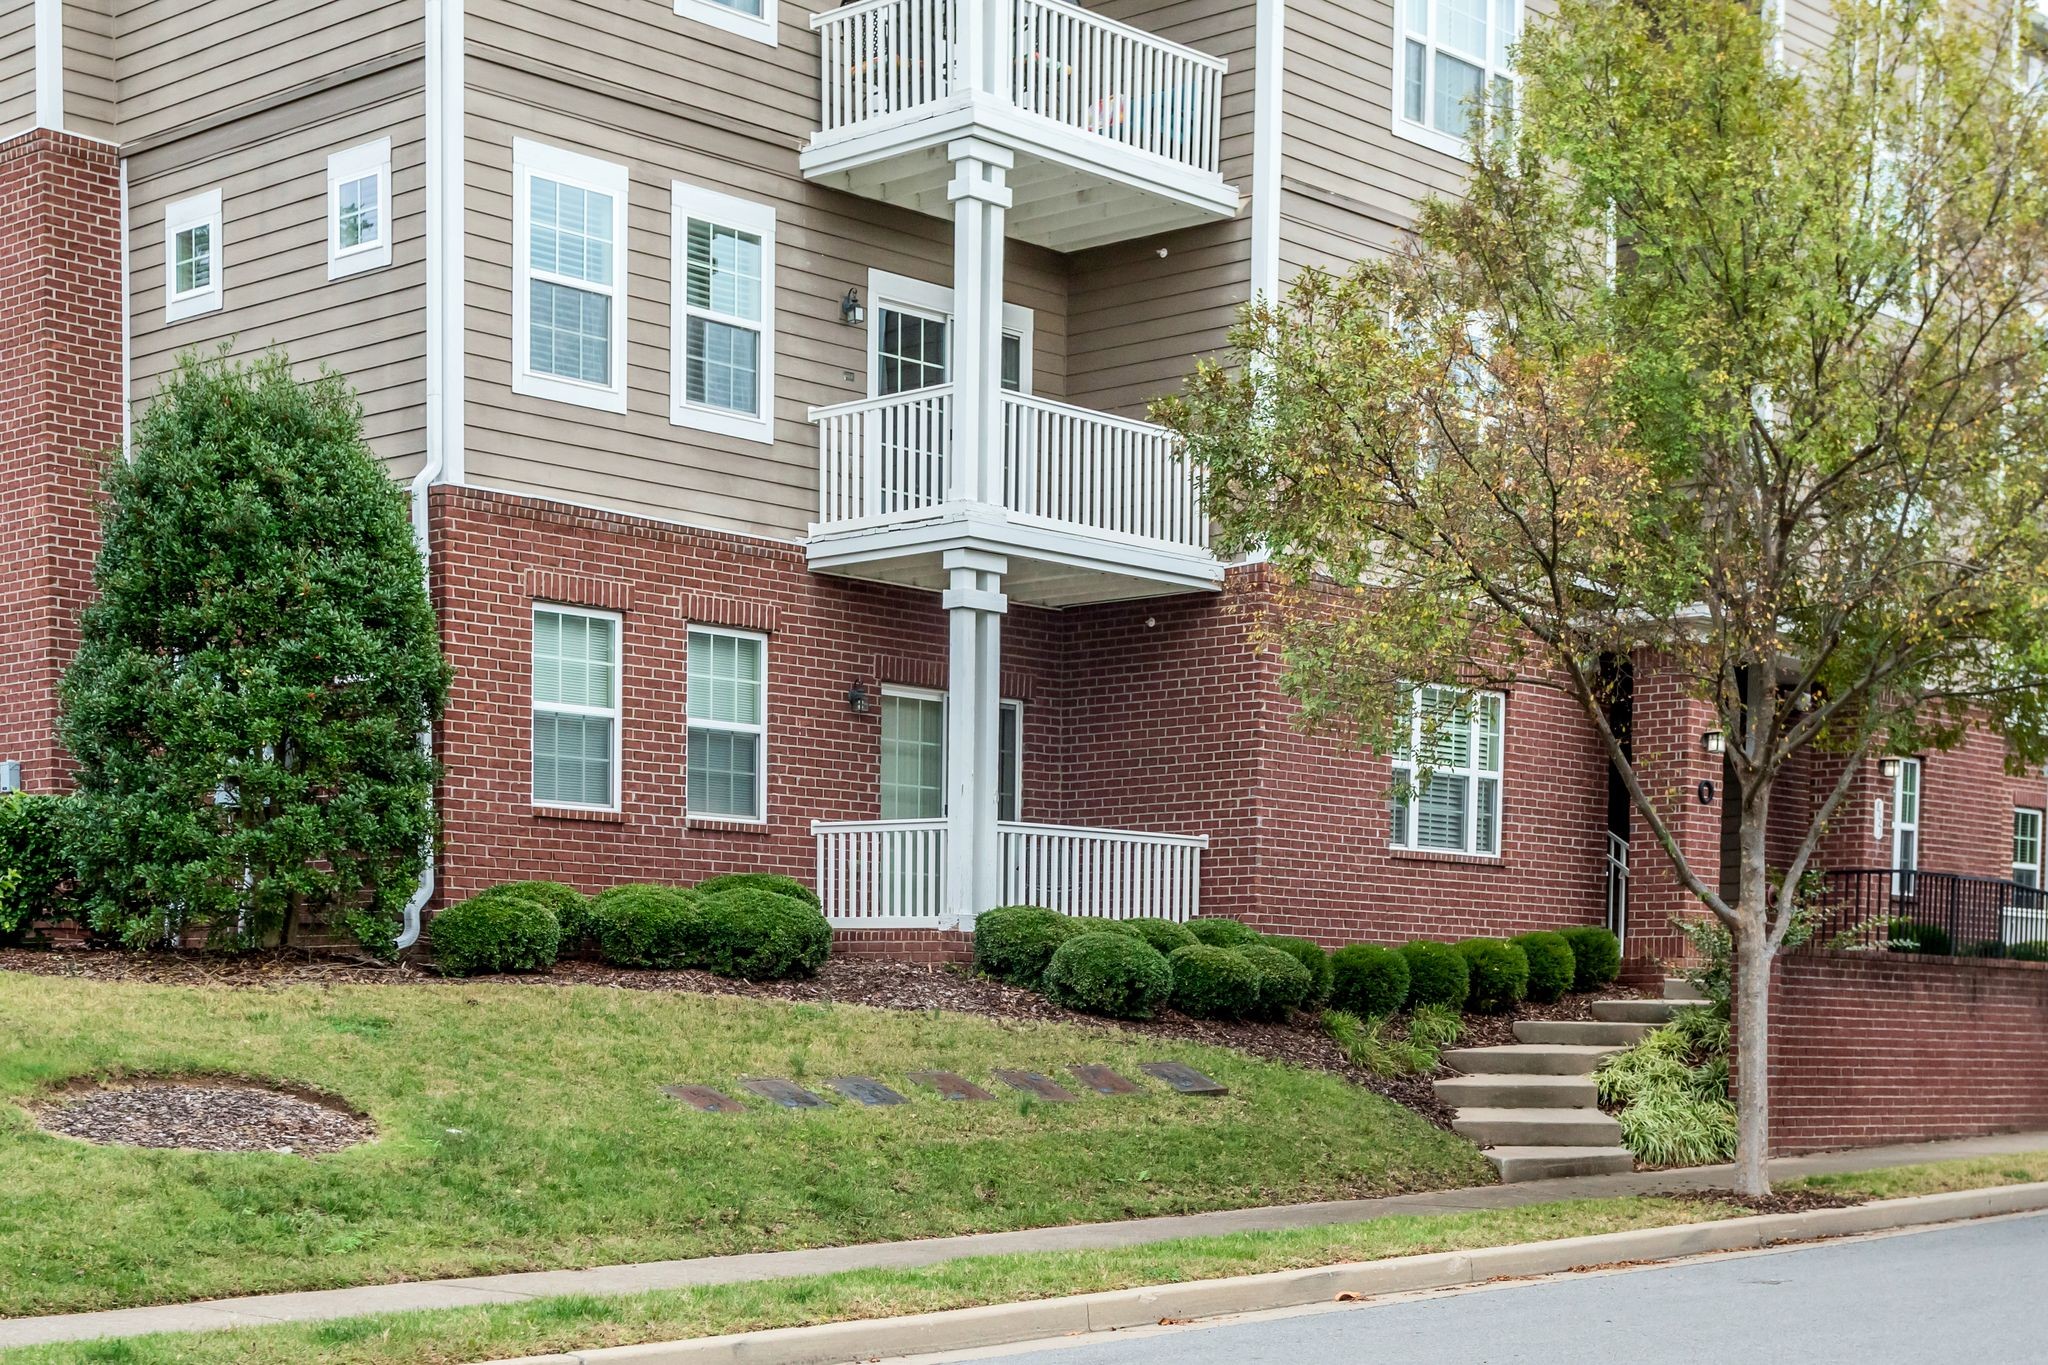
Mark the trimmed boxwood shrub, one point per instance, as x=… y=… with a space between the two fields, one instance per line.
x=1114 y=974
x=1163 y=934
x=649 y=926
x=1917 y=936
x=1596 y=956
x=1309 y=955
x=2034 y=951
x=1552 y=968
x=1014 y=943
x=757 y=934
x=1213 y=983
x=36 y=874
x=1284 y=984
x=760 y=881
x=1223 y=933
x=1499 y=974
x=1437 y=974
x=494 y=932
x=571 y=907
x=1368 y=980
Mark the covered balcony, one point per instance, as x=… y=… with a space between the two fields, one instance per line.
x=1115 y=131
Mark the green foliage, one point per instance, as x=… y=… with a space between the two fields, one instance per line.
x=1014 y=943
x=1310 y=955
x=571 y=907
x=1667 y=1128
x=1213 y=983
x=759 y=934
x=494 y=932
x=1552 y=967
x=1437 y=974
x=1904 y=935
x=1435 y=1026
x=760 y=881
x=1499 y=974
x=650 y=926
x=1117 y=975
x=1367 y=980
x=36 y=873
x=2035 y=950
x=1370 y=1042
x=1222 y=933
x=261 y=630
x=1672 y=1087
x=1284 y=984
x=1163 y=934
x=1596 y=956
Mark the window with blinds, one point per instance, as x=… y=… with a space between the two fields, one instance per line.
x=727 y=704
x=569 y=300
x=575 y=707
x=1447 y=773
x=724 y=303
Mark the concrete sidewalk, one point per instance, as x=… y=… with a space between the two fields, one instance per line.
x=628 y=1279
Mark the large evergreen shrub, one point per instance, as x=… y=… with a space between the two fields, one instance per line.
x=253 y=677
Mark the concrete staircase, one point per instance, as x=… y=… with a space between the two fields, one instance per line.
x=1533 y=1105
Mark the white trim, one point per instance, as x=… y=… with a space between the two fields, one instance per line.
x=1005 y=704
x=930 y=697
x=759 y=729
x=693 y=202
x=447 y=255
x=2040 y=822
x=1425 y=133
x=343 y=167
x=50 y=64
x=530 y=159
x=616 y=712
x=908 y=295
x=1016 y=708
x=199 y=210
x=1473 y=771
x=1268 y=143
x=761 y=28
x=127 y=330
x=1901 y=884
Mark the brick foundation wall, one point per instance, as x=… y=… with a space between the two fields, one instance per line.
x=60 y=413
x=928 y=947
x=1870 y=1048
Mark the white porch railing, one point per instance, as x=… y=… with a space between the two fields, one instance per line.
x=886 y=457
x=880 y=59
x=889 y=873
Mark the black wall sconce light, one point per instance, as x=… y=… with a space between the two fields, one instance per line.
x=857 y=699
x=850 y=311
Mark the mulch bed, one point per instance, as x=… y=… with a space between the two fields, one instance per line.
x=1777 y=1201
x=203 y=1114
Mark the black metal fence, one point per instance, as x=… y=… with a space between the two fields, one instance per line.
x=1902 y=910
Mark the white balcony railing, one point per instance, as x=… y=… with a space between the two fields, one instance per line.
x=884 y=59
x=884 y=873
x=1063 y=465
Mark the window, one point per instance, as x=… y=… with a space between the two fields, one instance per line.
x=1451 y=54
x=568 y=297
x=749 y=18
x=1010 y=749
x=1905 y=826
x=359 y=209
x=1451 y=801
x=728 y=739
x=192 y=256
x=909 y=337
x=2026 y=847
x=724 y=314
x=914 y=756
x=575 y=708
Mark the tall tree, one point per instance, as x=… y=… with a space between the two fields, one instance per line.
x=254 y=677
x=1732 y=356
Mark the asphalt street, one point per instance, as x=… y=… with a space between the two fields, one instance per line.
x=1972 y=1293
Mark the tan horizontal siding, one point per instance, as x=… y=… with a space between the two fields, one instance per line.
x=17 y=66
x=89 y=102
x=1139 y=320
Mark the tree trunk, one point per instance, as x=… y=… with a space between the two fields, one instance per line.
x=1752 y=1053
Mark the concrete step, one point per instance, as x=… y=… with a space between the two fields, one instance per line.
x=1545 y=1163
x=1678 y=988
x=1518 y=1092
x=1528 y=1059
x=1635 y=1011
x=1583 y=1032
x=1537 y=1127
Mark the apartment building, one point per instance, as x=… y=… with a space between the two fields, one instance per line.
x=772 y=386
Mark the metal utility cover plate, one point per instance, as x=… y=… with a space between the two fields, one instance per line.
x=788 y=1094
x=1031 y=1083
x=1183 y=1078
x=704 y=1098
x=1103 y=1081
x=865 y=1089
x=951 y=1085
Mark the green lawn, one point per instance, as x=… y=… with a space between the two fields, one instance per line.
x=521 y=1127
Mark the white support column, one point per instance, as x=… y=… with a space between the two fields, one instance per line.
x=980 y=198
x=974 y=610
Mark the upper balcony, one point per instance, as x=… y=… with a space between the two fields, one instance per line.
x=1115 y=131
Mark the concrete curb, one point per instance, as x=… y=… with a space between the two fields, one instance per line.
x=999 y=1324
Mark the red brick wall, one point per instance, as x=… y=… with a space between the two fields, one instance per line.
x=60 y=412
x=1870 y=1048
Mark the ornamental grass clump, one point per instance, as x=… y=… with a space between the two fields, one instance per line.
x=1671 y=1090
x=1119 y=976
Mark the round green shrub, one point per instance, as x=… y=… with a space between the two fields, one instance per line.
x=1916 y=936
x=1310 y=955
x=1368 y=980
x=2034 y=951
x=1163 y=934
x=1596 y=956
x=1437 y=974
x=1114 y=974
x=571 y=907
x=649 y=926
x=1284 y=984
x=1500 y=974
x=37 y=876
x=1213 y=983
x=494 y=933
x=760 y=881
x=761 y=935
x=1552 y=968
x=1223 y=933
x=1014 y=943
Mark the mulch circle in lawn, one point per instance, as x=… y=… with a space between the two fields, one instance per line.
x=205 y=1114
x=1777 y=1201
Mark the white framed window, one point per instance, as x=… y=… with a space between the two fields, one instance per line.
x=575 y=707
x=727 y=701
x=913 y=768
x=723 y=302
x=359 y=209
x=569 y=270
x=1010 y=754
x=1449 y=54
x=192 y=256
x=2026 y=847
x=1447 y=773
x=754 y=19
x=1905 y=826
x=910 y=325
